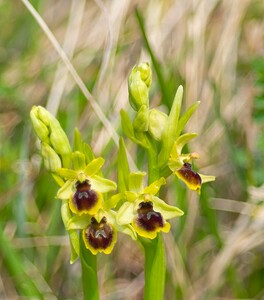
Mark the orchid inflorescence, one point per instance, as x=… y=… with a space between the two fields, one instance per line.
x=135 y=209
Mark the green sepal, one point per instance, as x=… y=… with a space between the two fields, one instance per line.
x=131 y=196
x=78 y=222
x=58 y=179
x=123 y=167
x=102 y=184
x=141 y=121
x=186 y=116
x=154 y=187
x=169 y=134
x=66 y=191
x=78 y=161
x=135 y=181
x=67 y=173
x=73 y=235
x=75 y=245
x=125 y=214
x=94 y=166
x=167 y=211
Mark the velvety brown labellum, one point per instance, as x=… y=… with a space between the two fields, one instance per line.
x=84 y=198
x=189 y=175
x=99 y=235
x=147 y=218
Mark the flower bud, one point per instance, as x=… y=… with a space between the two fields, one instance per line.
x=142 y=119
x=48 y=130
x=157 y=123
x=40 y=128
x=51 y=159
x=138 y=85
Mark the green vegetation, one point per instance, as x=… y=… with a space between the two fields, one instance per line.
x=213 y=49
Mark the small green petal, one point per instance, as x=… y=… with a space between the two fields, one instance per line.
x=167 y=211
x=94 y=166
x=67 y=173
x=154 y=187
x=135 y=181
x=66 y=190
x=78 y=222
x=101 y=184
x=125 y=213
x=183 y=140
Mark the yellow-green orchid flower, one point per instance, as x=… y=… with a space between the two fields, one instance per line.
x=84 y=188
x=99 y=232
x=147 y=213
x=180 y=164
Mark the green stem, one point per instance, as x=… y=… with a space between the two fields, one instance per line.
x=89 y=273
x=155 y=258
x=155 y=268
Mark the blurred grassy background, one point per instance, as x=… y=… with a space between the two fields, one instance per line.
x=215 y=49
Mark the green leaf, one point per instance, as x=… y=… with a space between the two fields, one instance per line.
x=169 y=134
x=127 y=125
x=88 y=152
x=78 y=161
x=123 y=167
x=77 y=143
x=186 y=116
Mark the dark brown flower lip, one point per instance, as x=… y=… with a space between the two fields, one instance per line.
x=99 y=234
x=147 y=218
x=84 y=198
x=189 y=176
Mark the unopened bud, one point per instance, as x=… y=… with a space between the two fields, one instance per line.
x=142 y=119
x=40 y=128
x=157 y=123
x=48 y=130
x=51 y=159
x=138 y=85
